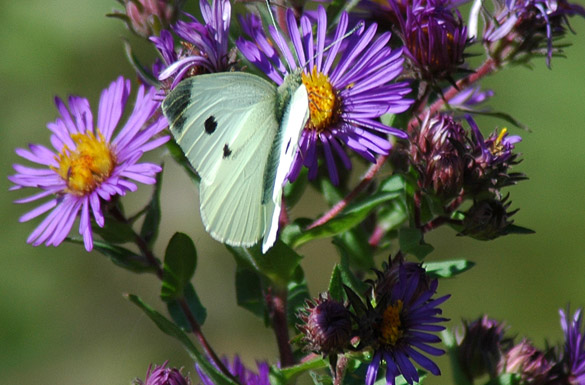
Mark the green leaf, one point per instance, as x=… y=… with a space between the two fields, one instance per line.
x=114 y=231
x=182 y=160
x=173 y=330
x=447 y=269
x=120 y=256
x=348 y=278
x=138 y=67
x=412 y=242
x=179 y=266
x=278 y=264
x=336 y=284
x=150 y=226
x=298 y=294
x=354 y=215
x=195 y=306
x=514 y=229
x=249 y=292
x=505 y=379
x=359 y=251
x=291 y=372
x=331 y=193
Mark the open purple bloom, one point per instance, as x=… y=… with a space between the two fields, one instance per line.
x=574 y=350
x=205 y=45
x=406 y=320
x=349 y=86
x=244 y=375
x=89 y=163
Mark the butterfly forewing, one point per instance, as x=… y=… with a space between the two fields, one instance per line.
x=225 y=123
x=293 y=121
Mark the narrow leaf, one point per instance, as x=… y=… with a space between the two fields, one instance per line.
x=120 y=256
x=173 y=330
x=195 y=307
x=291 y=372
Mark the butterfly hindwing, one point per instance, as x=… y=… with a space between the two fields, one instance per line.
x=225 y=123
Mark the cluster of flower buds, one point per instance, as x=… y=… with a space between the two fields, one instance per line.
x=388 y=321
x=483 y=349
x=456 y=164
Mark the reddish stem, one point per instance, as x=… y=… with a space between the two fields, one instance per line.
x=276 y=302
x=339 y=206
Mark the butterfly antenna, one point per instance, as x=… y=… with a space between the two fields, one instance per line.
x=278 y=34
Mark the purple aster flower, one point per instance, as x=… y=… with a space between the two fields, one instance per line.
x=349 y=89
x=434 y=37
x=89 y=164
x=244 y=375
x=162 y=375
x=406 y=316
x=205 y=46
x=573 y=360
x=490 y=160
x=519 y=28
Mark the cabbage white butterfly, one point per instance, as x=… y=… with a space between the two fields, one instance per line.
x=240 y=132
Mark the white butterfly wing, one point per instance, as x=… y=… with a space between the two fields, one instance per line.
x=225 y=123
x=292 y=124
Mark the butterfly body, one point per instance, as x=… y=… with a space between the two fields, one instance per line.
x=240 y=132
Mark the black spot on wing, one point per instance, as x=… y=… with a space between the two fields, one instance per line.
x=210 y=125
x=226 y=151
x=175 y=105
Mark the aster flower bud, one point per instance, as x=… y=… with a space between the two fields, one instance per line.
x=434 y=37
x=480 y=346
x=488 y=219
x=148 y=17
x=528 y=362
x=439 y=154
x=327 y=326
x=162 y=375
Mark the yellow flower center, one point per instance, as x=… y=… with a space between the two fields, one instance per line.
x=323 y=101
x=497 y=146
x=390 y=327
x=86 y=167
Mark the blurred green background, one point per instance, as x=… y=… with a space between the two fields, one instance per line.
x=62 y=316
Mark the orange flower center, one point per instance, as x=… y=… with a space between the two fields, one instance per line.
x=86 y=167
x=323 y=101
x=391 y=326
